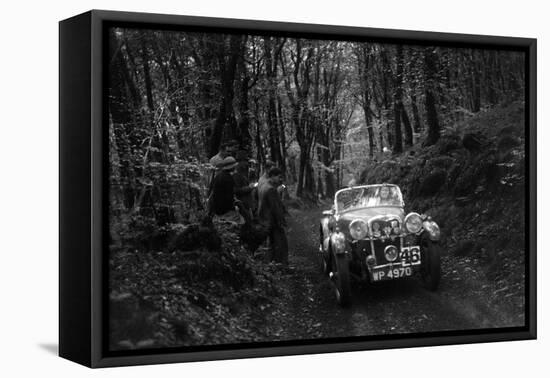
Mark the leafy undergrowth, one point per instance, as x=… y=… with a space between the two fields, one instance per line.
x=472 y=183
x=184 y=294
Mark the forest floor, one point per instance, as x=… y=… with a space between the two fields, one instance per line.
x=163 y=296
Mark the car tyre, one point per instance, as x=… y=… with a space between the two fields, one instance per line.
x=430 y=272
x=341 y=279
x=324 y=265
x=325 y=268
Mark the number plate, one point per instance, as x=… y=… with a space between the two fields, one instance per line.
x=391 y=272
x=410 y=256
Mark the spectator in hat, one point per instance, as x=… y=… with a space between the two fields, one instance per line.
x=252 y=170
x=216 y=162
x=262 y=180
x=271 y=214
x=264 y=177
x=217 y=159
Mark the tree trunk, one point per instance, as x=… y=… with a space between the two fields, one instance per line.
x=243 y=133
x=147 y=76
x=398 y=139
x=130 y=75
x=281 y=126
x=271 y=73
x=363 y=69
x=259 y=147
x=226 y=124
x=386 y=78
x=398 y=102
x=489 y=77
x=414 y=66
x=330 y=176
x=476 y=82
x=244 y=136
x=309 y=183
x=121 y=116
x=203 y=50
x=301 y=116
x=301 y=173
x=407 y=126
x=368 y=123
x=416 y=113
x=431 y=110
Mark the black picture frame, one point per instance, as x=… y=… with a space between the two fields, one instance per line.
x=82 y=204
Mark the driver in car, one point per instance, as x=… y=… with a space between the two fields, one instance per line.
x=385 y=196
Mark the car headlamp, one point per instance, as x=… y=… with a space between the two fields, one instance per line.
x=413 y=223
x=358 y=229
x=432 y=229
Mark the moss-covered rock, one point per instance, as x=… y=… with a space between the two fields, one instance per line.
x=507 y=142
x=448 y=144
x=432 y=183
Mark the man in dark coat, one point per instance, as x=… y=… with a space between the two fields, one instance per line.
x=271 y=214
x=226 y=149
x=243 y=188
x=223 y=187
x=263 y=179
x=216 y=161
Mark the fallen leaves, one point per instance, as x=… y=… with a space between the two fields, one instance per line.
x=197 y=297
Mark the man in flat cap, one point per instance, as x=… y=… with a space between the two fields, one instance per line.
x=271 y=214
x=223 y=187
x=243 y=188
x=226 y=148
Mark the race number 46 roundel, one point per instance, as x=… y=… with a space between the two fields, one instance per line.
x=410 y=255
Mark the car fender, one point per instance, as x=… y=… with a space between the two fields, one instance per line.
x=325 y=234
x=326 y=245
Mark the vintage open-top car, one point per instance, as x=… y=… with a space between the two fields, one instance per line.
x=366 y=235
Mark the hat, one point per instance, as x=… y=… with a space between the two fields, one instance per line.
x=228 y=163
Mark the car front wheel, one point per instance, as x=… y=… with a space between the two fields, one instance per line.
x=430 y=272
x=324 y=265
x=322 y=260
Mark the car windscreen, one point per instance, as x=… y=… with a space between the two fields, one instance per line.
x=372 y=196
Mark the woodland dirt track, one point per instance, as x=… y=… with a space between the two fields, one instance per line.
x=308 y=308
